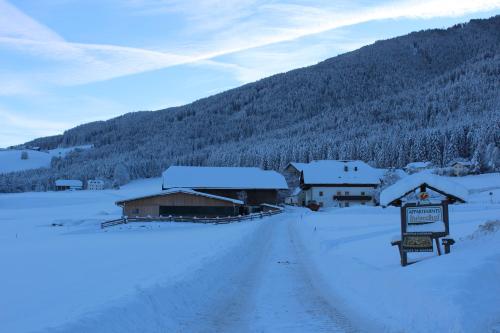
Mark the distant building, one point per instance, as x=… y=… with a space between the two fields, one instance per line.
x=95 y=184
x=339 y=183
x=296 y=197
x=461 y=168
x=292 y=174
x=415 y=167
x=68 y=184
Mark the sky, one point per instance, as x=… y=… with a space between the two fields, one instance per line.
x=68 y=62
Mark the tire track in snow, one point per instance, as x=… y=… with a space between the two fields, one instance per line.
x=274 y=293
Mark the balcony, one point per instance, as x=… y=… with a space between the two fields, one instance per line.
x=352 y=197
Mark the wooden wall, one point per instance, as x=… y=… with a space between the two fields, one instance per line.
x=254 y=197
x=151 y=206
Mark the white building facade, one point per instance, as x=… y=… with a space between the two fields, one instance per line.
x=339 y=183
x=95 y=184
x=341 y=196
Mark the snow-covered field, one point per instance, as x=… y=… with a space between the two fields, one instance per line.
x=10 y=160
x=330 y=271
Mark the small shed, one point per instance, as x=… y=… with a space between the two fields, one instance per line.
x=68 y=184
x=181 y=202
x=395 y=194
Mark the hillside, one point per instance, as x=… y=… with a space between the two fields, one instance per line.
x=430 y=95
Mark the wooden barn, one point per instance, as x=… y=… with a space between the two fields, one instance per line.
x=68 y=184
x=209 y=192
x=253 y=186
x=181 y=202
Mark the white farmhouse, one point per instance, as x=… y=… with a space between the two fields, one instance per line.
x=339 y=183
x=95 y=184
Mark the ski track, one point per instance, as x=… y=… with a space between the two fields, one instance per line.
x=273 y=293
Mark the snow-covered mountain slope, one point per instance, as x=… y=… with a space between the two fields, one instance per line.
x=330 y=271
x=10 y=159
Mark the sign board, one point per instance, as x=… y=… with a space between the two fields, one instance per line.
x=426 y=218
x=421 y=224
x=424 y=214
x=421 y=242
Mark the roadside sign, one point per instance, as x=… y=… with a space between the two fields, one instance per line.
x=421 y=226
x=427 y=218
x=421 y=242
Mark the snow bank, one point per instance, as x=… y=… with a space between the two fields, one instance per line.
x=350 y=249
x=409 y=183
x=478 y=183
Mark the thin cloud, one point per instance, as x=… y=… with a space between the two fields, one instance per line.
x=252 y=24
x=11 y=119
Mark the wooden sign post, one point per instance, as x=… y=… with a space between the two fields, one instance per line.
x=421 y=224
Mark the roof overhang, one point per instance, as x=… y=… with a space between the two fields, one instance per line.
x=450 y=197
x=121 y=203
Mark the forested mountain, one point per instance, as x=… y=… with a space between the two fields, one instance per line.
x=430 y=95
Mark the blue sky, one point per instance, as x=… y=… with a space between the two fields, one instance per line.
x=68 y=62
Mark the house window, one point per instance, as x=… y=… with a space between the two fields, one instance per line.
x=339 y=193
x=355 y=168
x=362 y=193
x=346 y=168
x=346 y=192
x=320 y=193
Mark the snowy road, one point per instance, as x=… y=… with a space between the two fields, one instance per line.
x=271 y=291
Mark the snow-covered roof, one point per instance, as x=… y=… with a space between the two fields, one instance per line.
x=69 y=182
x=419 y=165
x=410 y=183
x=271 y=206
x=186 y=191
x=464 y=163
x=334 y=172
x=222 y=178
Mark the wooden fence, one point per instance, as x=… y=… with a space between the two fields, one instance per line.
x=205 y=220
